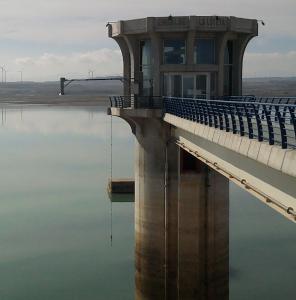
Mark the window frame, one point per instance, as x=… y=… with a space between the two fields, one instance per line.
x=185 y=74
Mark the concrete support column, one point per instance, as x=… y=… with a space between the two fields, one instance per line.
x=172 y=178
x=192 y=230
x=203 y=242
x=151 y=135
x=217 y=228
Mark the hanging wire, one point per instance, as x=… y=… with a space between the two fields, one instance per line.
x=111 y=175
x=111 y=149
x=111 y=223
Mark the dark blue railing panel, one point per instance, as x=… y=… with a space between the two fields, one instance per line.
x=265 y=118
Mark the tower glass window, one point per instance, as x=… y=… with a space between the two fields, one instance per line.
x=146 y=85
x=174 y=52
x=187 y=85
x=204 y=51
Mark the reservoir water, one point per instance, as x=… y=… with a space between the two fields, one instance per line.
x=56 y=219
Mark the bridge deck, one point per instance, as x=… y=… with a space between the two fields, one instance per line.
x=251 y=141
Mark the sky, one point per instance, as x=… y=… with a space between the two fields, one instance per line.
x=48 y=39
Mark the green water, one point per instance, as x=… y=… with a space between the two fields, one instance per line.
x=56 y=218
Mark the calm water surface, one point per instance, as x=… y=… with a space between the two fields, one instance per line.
x=56 y=218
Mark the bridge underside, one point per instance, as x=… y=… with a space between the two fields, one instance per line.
x=265 y=171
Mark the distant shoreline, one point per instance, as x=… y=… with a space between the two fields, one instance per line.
x=244 y=78
x=95 y=94
x=62 y=101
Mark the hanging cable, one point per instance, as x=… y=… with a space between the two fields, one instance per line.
x=111 y=176
x=111 y=149
x=111 y=223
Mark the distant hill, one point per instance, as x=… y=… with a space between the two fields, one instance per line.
x=90 y=92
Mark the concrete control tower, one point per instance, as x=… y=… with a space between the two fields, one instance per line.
x=181 y=204
x=183 y=56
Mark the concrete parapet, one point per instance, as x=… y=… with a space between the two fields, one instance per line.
x=289 y=163
x=264 y=153
x=276 y=158
x=254 y=149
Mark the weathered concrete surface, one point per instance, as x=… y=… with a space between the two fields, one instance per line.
x=183 y=23
x=151 y=136
x=172 y=220
x=203 y=233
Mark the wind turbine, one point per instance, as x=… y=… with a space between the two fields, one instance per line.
x=91 y=73
x=5 y=74
x=2 y=71
x=21 y=74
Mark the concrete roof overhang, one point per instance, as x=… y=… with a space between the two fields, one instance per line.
x=183 y=24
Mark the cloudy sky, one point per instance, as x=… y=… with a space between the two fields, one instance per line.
x=52 y=38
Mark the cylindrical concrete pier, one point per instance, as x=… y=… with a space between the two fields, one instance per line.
x=182 y=215
x=151 y=138
x=203 y=232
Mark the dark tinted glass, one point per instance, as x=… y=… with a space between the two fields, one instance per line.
x=228 y=54
x=174 y=52
x=177 y=86
x=204 y=51
x=145 y=47
x=201 y=85
x=227 y=80
x=188 y=86
x=146 y=85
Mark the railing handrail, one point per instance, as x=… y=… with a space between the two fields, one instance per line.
x=234 y=102
x=274 y=122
